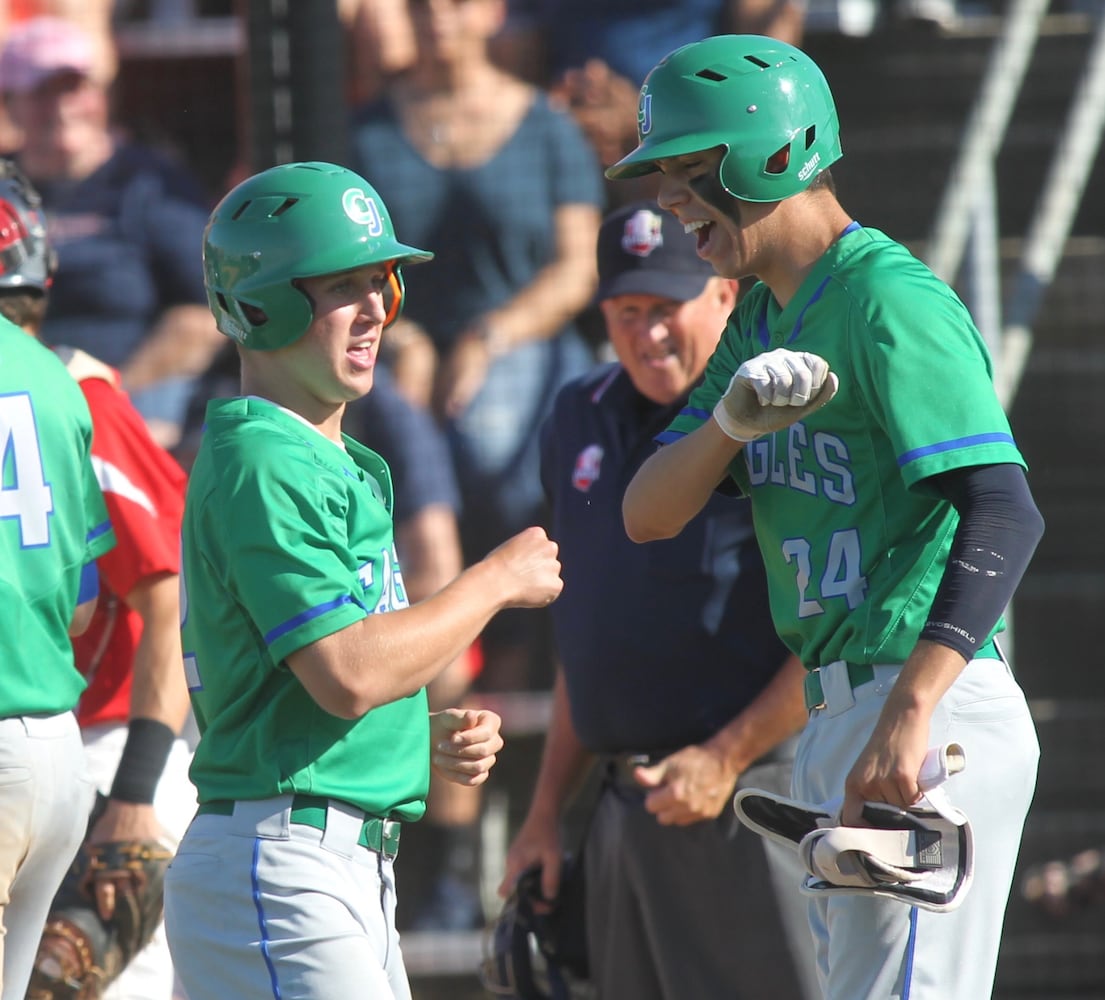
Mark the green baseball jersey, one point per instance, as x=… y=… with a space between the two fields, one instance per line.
x=287 y=538
x=53 y=525
x=854 y=544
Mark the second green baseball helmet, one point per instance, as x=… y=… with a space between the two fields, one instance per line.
x=297 y=220
x=766 y=102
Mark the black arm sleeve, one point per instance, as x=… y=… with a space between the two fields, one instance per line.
x=999 y=528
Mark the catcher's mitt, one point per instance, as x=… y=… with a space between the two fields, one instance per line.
x=80 y=953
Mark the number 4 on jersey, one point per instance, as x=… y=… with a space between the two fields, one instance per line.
x=24 y=493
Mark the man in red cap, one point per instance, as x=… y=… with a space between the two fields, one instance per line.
x=126 y=221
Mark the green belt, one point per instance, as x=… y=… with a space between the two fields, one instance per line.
x=862 y=673
x=379 y=835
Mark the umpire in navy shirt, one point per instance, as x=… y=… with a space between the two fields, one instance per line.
x=671 y=676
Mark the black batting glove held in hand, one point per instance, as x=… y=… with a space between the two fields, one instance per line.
x=772 y=391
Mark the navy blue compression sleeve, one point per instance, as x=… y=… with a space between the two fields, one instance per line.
x=999 y=528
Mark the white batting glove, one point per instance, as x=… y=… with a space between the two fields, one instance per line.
x=772 y=391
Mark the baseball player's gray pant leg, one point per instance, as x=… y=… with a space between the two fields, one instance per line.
x=257 y=907
x=45 y=797
x=876 y=949
x=683 y=912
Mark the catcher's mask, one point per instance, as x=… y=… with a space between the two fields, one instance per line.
x=296 y=220
x=922 y=856
x=531 y=955
x=27 y=260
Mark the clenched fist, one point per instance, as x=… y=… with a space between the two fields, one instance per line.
x=530 y=569
x=772 y=391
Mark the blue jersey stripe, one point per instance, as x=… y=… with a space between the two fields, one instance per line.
x=98 y=531
x=89 y=586
x=818 y=292
x=667 y=436
x=964 y=442
x=763 y=329
x=306 y=616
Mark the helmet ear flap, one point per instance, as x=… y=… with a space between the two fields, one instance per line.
x=249 y=321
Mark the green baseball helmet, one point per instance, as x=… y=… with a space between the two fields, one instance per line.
x=297 y=220
x=766 y=102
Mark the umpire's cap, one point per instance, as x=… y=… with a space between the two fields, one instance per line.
x=644 y=251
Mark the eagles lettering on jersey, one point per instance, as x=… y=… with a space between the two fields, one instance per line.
x=790 y=458
x=393 y=593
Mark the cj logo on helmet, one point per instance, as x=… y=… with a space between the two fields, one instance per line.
x=362 y=210
x=644 y=113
